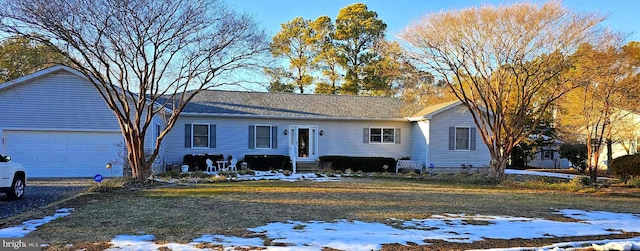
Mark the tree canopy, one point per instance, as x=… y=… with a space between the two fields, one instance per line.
x=142 y=56
x=504 y=63
x=350 y=56
x=608 y=80
x=20 y=56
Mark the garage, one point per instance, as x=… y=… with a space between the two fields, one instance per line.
x=64 y=153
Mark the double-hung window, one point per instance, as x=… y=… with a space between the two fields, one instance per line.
x=463 y=138
x=201 y=135
x=382 y=135
x=263 y=137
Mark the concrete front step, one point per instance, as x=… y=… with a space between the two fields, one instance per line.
x=307 y=167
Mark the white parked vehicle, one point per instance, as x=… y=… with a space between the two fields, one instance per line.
x=13 y=178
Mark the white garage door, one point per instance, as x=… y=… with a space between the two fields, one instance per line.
x=64 y=154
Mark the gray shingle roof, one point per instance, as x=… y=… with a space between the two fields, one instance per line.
x=298 y=105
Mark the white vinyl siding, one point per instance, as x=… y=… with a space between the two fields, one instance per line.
x=236 y=136
x=441 y=140
x=58 y=101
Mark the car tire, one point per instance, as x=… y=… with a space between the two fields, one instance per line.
x=16 y=191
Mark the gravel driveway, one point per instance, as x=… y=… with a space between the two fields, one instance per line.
x=42 y=192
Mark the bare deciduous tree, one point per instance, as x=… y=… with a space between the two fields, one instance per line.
x=504 y=64
x=142 y=56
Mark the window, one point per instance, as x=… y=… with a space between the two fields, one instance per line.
x=382 y=135
x=263 y=136
x=462 y=138
x=157 y=132
x=200 y=135
x=547 y=154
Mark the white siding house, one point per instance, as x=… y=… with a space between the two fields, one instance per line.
x=448 y=137
x=56 y=124
x=625 y=141
x=302 y=126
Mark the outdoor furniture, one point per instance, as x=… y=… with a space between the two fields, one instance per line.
x=232 y=165
x=409 y=164
x=210 y=166
x=222 y=165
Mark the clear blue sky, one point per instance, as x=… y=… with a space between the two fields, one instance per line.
x=623 y=15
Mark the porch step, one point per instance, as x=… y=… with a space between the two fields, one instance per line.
x=307 y=167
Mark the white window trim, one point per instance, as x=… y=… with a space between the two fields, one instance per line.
x=193 y=135
x=382 y=135
x=455 y=145
x=255 y=136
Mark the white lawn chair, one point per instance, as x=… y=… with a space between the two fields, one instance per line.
x=232 y=165
x=210 y=167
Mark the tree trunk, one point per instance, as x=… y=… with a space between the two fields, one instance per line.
x=497 y=165
x=609 y=155
x=593 y=164
x=140 y=169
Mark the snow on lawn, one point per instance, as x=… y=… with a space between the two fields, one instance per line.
x=358 y=235
x=267 y=175
x=31 y=225
x=548 y=174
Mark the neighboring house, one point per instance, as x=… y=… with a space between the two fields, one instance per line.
x=549 y=157
x=626 y=136
x=56 y=125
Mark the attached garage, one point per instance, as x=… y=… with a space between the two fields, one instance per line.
x=64 y=153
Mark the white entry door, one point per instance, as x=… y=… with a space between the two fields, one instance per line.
x=303 y=140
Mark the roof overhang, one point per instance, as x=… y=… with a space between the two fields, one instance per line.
x=261 y=116
x=39 y=74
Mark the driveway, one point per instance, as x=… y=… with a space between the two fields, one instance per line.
x=42 y=192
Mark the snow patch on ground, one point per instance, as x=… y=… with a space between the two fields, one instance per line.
x=267 y=175
x=31 y=225
x=358 y=235
x=547 y=174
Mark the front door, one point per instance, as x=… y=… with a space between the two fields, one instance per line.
x=304 y=143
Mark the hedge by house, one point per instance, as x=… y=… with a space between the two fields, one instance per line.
x=268 y=162
x=365 y=164
x=626 y=167
x=199 y=161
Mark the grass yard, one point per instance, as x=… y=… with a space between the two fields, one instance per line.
x=181 y=213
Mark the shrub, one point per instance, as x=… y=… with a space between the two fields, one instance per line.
x=576 y=154
x=365 y=164
x=199 y=161
x=626 y=167
x=634 y=182
x=268 y=162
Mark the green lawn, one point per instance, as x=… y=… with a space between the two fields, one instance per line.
x=182 y=213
